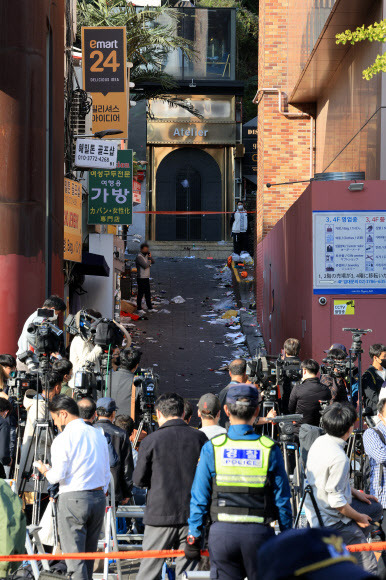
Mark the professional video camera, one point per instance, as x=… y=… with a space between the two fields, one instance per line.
x=80 y=323
x=101 y=331
x=43 y=335
x=87 y=382
x=271 y=372
x=146 y=384
x=335 y=367
x=20 y=382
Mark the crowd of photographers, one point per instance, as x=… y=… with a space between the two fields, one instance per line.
x=112 y=435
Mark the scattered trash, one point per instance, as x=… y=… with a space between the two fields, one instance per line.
x=164 y=311
x=178 y=300
x=235 y=257
x=229 y=314
x=225 y=304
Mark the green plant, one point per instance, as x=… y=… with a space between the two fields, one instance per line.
x=375 y=32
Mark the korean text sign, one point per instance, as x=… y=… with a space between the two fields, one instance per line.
x=105 y=76
x=111 y=193
x=96 y=153
x=72 y=220
x=349 y=251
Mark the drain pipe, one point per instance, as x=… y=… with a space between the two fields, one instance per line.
x=283 y=97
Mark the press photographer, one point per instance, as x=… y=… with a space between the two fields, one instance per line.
x=8 y=364
x=53 y=302
x=374 y=377
x=82 y=349
x=122 y=381
x=305 y=398
x=334 y=372
x=292 y=362
x=35 y=403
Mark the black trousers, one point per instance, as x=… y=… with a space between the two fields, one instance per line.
x=233 y=549
x=143 y=290
x=240 y=242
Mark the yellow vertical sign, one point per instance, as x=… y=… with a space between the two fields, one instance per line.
x=72 y=220
x=105 y=76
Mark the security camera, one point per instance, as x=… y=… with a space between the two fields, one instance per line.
x=322 y=301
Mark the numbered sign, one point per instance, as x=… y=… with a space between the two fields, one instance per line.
x=105 y=76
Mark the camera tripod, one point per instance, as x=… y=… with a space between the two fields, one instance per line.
x=355 y=442
x=308 y=491
x=106 y=366
x=37 y=448
x=290 y=449
x=146 y=424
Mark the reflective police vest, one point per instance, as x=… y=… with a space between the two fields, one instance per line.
x=241 y=490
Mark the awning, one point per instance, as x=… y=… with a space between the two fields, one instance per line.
x=326 y=56
x=92 y=265
x=251 y=178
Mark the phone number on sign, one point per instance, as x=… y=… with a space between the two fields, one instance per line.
x=94 y=158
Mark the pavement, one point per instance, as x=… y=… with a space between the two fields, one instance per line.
x=182 y=346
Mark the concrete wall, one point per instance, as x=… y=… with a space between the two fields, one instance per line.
x=100 y=292
x=348 y=122
x=289 y=307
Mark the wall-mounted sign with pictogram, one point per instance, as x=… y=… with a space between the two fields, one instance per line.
x=105 y=76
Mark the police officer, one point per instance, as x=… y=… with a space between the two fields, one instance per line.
x=241 y=481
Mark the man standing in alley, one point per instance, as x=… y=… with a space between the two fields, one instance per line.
x=167 y=461
x=241 y=482
x=143 y=263
x=239 y=223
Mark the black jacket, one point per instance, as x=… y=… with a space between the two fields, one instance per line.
x=305 y=399
x=123 y=473
x=166 y=465
x=5 y=452
x=121 y=385
x=371 y=386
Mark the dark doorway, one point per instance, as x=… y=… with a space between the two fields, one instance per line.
x=188 y=180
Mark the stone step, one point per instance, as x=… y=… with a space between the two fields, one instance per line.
x=183 y=249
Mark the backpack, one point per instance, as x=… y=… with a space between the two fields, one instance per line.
x=113 y=455
x=13 y=530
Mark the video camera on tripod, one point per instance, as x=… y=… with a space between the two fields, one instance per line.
x=146 y=385
x=270 y=372
x=87 y=382
x=286 y=424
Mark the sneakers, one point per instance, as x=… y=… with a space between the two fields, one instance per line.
x=141 y=312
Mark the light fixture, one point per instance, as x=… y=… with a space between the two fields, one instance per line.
x=192 y=85
x=356 y=186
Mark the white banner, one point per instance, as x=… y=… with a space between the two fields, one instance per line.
x=349 y=251
x=96 y=154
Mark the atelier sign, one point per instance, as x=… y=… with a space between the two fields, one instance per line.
x=105 y=76
x=72 y=249
x=192 y=133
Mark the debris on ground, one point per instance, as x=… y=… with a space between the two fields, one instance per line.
x=178 y=300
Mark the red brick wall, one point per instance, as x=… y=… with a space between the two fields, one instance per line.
x=283 y=143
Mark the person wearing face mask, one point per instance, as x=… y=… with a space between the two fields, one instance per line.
x=81 y=467
x=374 y=377
x=305 y=398
x=239 y=223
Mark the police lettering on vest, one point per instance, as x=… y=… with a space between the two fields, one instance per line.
x=241 y=487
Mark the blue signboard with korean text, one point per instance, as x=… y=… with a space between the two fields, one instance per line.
x=110 y=198
x=349 y=252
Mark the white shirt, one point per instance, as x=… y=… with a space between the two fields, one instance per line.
x=382 y=374
x=80 y=459
x=213 y=430
x=22 y=343
x=328 y=473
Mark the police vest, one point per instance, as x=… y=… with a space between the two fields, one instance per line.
x=241 y=489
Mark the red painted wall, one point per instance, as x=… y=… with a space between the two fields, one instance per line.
x=289 y=307
x=23 y=106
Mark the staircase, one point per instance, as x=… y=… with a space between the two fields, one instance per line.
x=203 y=250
